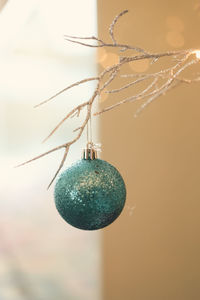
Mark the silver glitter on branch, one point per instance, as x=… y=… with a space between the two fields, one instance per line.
x=156 y=84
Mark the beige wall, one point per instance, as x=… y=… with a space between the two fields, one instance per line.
x=154 y=254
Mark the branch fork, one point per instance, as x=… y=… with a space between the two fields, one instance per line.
x=155 y=87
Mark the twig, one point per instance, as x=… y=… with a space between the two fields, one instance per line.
x=60 y=166
x=111 y=29
x=76 y=109
x=130 y=84
x=65 y=89
x=41 y=155
x=162 y=81
x=130 y=99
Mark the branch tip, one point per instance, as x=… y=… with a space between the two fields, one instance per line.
x=155 y=84
x=60 y=166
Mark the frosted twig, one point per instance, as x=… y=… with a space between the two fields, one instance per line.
x=111 y=78
x=130 y=99
x=112 y=25
x=161 y=81
x=67 y=88
x=60 y=166
x=41 y=155
x=162 y=90
x=74 y=39
x=101 y=45
x=75 y=110
x=94 y=38
x=156 y=92
x=131 y=83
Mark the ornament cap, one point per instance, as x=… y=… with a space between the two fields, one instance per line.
x=89 y=153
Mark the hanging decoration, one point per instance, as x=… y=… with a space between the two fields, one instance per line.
x=91 y=193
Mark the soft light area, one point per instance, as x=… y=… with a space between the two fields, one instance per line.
x=41 y=256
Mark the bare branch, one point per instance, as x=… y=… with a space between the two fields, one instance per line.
x=111 y=29
x=131 y=84
x=78 y=108
x=154 y=85
x=103 y=44
x=111 y=78
x=130 y=99
x=41 y=155
x=84 y=44
x=60 y=166
x=125 y=59
x=67 y=88
x=168 y=85
x=94 y=38
x=76 y=129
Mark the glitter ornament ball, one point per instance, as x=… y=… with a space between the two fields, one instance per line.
x=90 y=194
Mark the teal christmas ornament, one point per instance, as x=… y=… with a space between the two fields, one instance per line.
x=90 y=194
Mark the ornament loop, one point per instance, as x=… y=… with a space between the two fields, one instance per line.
x=89 y=153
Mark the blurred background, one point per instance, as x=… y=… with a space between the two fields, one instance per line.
x=41 y=257
x=152 y=251
x=154 y=254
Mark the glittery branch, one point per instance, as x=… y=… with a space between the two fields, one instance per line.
x=72 y=113
x=155 y=84
x=60 y=166
x=112 y=25
x=65 y=89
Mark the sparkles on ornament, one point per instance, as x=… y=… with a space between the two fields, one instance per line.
x=91 y=193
